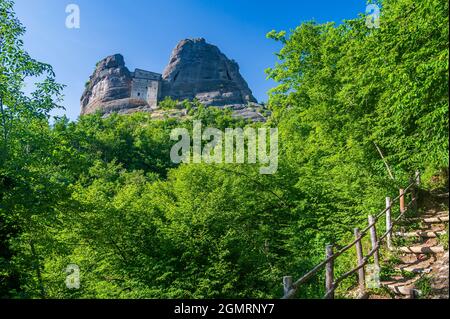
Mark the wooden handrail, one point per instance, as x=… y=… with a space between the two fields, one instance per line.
x=292 y=288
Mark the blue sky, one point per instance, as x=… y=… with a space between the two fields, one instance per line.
x=146 y=31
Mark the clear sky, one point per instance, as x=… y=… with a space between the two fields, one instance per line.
x=146 y=31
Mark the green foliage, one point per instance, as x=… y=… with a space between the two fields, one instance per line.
x=27 y=190
x=353 y=86
x=168 y=104
x=443 y=239
x=102 y=193
x=424 y=286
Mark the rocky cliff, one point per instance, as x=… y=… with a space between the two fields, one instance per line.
x=197 y=70
x=109 y=88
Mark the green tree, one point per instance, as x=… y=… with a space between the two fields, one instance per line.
x=345 y=91
x=22 y=121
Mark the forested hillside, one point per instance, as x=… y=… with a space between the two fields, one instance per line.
x=102 y=193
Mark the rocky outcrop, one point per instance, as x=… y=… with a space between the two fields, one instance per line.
x=197 y=70
x=109 y=88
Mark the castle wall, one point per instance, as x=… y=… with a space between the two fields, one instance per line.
x=146 y=86
x=142 y=74
x=153 y=93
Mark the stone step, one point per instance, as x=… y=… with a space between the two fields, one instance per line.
x=424 y=234
x=402 y=286
x=416 y=269
x=436 y=220
x=404 y=290
x=418 y=264
x=422 y=250
x=435 y=214
x=425 y=217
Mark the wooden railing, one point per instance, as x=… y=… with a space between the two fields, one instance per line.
x=331 y=283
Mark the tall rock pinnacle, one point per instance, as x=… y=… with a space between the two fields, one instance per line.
x=199 y=70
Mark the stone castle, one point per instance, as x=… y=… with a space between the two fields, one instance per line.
x=146 y=85
x=196 y=70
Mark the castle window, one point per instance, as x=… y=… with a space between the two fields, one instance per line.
x=139 y=94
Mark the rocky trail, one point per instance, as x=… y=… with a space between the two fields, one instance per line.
x=418 y=265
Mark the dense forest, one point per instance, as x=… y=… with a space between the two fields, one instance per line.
x=102 y=193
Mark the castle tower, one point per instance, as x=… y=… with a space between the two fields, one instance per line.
x=146 y=86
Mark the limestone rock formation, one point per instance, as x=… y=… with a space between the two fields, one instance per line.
x=109 y=88
x=197 y=70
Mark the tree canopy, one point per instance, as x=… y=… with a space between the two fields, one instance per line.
x=358 y=111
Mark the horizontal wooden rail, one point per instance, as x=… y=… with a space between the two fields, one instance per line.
x=290 y=289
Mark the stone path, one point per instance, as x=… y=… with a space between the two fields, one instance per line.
x=422 y=269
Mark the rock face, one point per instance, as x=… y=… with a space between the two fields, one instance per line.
x=197 y=70
x=109 y=88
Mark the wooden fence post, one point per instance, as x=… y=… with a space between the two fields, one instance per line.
x=388 y=223
x=373 y=240
x=402 y=200
x=329 y=274
x=359 y=254
x=287 y=284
